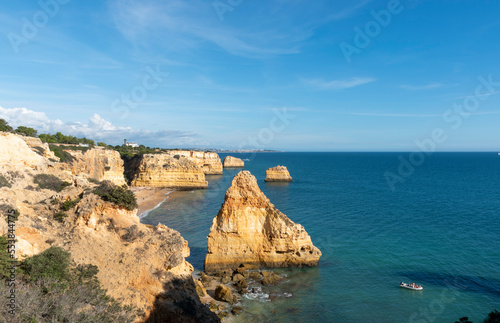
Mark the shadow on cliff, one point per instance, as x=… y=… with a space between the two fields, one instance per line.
x=179 y=303
x=464 y=283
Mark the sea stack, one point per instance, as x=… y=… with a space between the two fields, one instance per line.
x=278 y=174
x=233 y=162
x=249 y=229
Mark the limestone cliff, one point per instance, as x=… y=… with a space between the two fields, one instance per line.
x=210 y=162
x=98 y=163
x=250 y=230
x=15 y=152
x=231 y=161
x=164 y=170
x=278 y=174
x=139 y=265
x=39 y=147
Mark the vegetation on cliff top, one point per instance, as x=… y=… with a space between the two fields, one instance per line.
x=50 y=287
x=119 y=195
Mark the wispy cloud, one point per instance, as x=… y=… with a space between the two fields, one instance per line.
x=348 y=12
x=338 y=84
x=429 y=86
x=179 y=26
x=98 y=129
x=396 y=115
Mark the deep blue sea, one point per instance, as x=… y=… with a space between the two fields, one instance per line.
x=439 y=227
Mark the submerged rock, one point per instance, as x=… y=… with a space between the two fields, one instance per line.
x=278 y=174
x=249 y=229
x=223 y=293
x=271 y=279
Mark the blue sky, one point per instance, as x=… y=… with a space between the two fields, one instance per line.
x=288 y=75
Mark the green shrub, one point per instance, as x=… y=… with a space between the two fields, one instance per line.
x=68 y=204
x=4 y=126
x=27 y=131
x=60 y=216
x=4 y=182
x=119 y=195
x=53 y=289
x=5 y=260
x=51 y=263
x=93 y=180
x=50 y=182
x=64 y=156
x=132 y=234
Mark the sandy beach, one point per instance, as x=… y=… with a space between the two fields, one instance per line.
x=149 y=198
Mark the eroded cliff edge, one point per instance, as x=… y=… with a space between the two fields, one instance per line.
x=249 y=229
x=209 y=162
x=99 y=164
x=139 y=265
x=165 y=170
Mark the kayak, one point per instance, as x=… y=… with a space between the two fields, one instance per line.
x=411 y=286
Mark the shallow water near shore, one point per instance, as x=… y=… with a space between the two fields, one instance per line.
x=438 y=228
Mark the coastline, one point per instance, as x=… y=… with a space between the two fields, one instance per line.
x=149 y=198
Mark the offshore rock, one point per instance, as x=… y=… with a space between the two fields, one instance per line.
x=208 y=161
x=249 y=229
x=231 y=161
x=164 y=170
x=278 y=174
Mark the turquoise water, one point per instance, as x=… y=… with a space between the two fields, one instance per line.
x=439 y=228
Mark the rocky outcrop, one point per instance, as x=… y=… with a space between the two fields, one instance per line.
x=278 y=174
x=139 y=265
x=231 y=161
x=39 y=147
x=98 y=163
x=164 y=170
x=209 y=162
x=250 y=230
x=15 y=152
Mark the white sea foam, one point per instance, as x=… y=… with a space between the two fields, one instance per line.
x=146 y=213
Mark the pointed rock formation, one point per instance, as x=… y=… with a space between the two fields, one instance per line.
x=278 y=174
x=250 y=230
x=231 y=161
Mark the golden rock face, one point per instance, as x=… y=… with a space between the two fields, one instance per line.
x=231 y=161
x=165 y=170
x=99 y=164
x=278 y=174
x=209 y=162
x=249 y=229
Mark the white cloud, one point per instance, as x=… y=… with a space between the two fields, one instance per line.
x=339 y=84
x=429 y=86
x=99 y=129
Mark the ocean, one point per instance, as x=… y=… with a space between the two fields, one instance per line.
x=438 y=226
